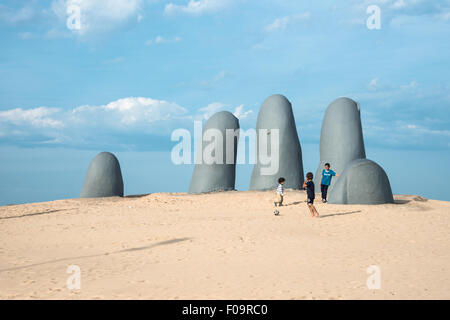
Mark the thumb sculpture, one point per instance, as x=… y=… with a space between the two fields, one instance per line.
x=103 y=177
x=215 y=168
x=277 y=141
x=341 y=139
x=361 y=181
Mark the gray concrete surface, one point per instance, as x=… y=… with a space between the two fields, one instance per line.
x=276 y=113
x=209 y=177
x=362 y=182
x=341 y=138
x=103 y=177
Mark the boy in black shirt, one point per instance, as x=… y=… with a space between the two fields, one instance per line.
x=309 y=185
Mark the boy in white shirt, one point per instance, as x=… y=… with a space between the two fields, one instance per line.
x=280 y=193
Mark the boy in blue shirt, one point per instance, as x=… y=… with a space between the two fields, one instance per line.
x=327 y=174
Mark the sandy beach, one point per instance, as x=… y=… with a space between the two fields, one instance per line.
x=224 y=246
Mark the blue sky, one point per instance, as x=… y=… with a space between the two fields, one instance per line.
x=138 y=69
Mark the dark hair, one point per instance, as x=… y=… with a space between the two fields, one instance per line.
x=281 y=180
x=327 y=164
x=309 y=175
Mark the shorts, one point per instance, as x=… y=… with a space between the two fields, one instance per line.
x=310 y=201
x=279 y=199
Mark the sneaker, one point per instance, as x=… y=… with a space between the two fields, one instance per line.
x=324 y=200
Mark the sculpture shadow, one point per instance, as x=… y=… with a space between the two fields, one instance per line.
x=339 y=214
x=402 y=201
x=133 y=196
x=162 y=243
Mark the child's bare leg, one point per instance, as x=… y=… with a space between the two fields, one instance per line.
x=310 y=207
x=315 y=210
x=278 y=201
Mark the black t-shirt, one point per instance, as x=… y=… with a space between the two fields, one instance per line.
x=310 y=190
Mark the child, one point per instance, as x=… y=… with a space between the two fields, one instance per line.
x=327 y=174
x=280 y=193
x=309 y=185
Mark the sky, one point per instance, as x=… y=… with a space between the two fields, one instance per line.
x=133 y=71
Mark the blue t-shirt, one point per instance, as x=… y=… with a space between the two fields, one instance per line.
x=326 y=177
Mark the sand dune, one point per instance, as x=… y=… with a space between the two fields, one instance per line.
x=224 y=246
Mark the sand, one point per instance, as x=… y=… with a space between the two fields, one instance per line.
x=224 y=246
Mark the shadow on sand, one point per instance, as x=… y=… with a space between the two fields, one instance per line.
x=293 y=203
x=339 y=214
x=34 y=214
x=162 y=243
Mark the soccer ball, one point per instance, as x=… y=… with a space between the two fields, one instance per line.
x=276 y=212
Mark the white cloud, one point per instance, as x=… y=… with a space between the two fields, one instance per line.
x=14 y=16
x=420 y=130
x=261 y=46
x=445 y=16
x=282 y=23
x=390 y=88
x=240 y=113
x=56 y=33
x=279 y=24
x=38 y=117
x=397 y=13
x=411 y=85
x=221 y=75
x=399 y=4
x=99 y=15
x=207 y=84
x=210 y=109
x=373 y=83
x=135 y=111
x=129 y=115
x=393 y=114
x=162 y=40
x=115 y=60
x=125 y=122
x=214 y=107
x=394 y=8
x=210 y=83
x=198 y=7
x=25 y=35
